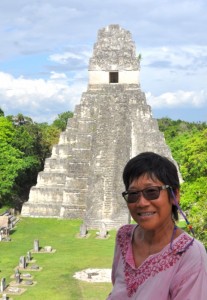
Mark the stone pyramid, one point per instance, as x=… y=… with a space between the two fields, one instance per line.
x=83 y=177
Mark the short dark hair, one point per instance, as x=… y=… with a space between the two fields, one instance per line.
x=156 y=167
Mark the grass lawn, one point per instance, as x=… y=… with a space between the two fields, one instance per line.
x=55 y=281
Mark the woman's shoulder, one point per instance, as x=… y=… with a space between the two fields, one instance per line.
x=125 y=232
x=199 y=249
x=198 y=244
x=192 y=247
x=124 y=237
x=126 y=229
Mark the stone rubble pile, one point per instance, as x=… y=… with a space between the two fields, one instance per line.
x=94 y=275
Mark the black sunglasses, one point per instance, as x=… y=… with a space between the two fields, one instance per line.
x=150 y=193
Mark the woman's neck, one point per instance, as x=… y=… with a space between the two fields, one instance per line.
x=155 y=240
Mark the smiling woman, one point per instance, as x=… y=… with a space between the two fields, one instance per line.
x=155 y=259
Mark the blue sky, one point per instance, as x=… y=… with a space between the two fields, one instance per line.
x=46 y=46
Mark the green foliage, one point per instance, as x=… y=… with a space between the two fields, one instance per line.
x=139 y=57
x=189 y=150
x=172 y=128
x=188 y=143
x=35 y=141
x=194 y=202
x=48 y=136
x=11 y=160
x=1 y=112
x=193 y=192
x=198 y=217
x=61 y=121
x=25 y=146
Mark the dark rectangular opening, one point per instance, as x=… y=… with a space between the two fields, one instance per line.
x=113 y=77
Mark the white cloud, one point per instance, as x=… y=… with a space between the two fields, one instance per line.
x=178 y=99
x=38 y=26
x=72 y=59
x=58 y=76
x=184 y=57
x=50 y=42
x=39 y=99
x=64 y=57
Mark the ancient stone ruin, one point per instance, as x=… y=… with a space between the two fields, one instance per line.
x=112 y=123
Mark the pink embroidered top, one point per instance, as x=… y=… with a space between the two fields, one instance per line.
x=176 y=273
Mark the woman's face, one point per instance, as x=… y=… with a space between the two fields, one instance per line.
x=150 y=214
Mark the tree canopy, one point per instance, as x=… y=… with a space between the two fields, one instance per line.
x=188 y=144
x=11 y=159
x=24 y=147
